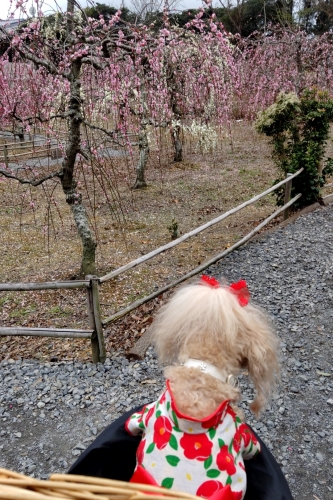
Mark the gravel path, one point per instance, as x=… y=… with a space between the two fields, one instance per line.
x=50 y=412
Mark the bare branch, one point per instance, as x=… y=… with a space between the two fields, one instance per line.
x=109 y=133
x=31 y=119
x=34 y=183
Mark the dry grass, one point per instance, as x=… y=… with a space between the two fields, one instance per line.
x=193 y=192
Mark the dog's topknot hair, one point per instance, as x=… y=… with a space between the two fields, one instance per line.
x=208 y=323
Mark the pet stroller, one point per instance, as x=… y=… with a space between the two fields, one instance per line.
x=113 y=456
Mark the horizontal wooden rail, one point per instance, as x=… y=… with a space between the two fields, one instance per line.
x=46 y=332
x=48 y=285
x=328 y=185
x=48 y=142
x=36 y=152
x=18 y=143
x=30 y=149
x=176 y=242
x=199 y=269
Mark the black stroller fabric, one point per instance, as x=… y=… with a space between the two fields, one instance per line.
x=113 y=456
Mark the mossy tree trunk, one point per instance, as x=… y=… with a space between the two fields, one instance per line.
x=177 y=143
x=140 y=181
x=73 y=198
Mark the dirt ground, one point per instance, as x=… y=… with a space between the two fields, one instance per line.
x=39 y=241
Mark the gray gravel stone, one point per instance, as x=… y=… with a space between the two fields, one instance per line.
x=58 y=408
x=298 y=293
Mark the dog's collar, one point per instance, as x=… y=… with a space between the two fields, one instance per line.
x=211 y=370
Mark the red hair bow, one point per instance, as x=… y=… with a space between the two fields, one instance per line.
x=241 y=290
x=209 y=280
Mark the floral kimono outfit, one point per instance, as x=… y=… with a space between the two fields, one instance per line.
x=201 y=457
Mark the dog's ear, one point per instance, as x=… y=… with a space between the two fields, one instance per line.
x=260 y=351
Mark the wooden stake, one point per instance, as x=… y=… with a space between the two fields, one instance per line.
x=90 y=307
x=287 y=195
x=5 y=152
x=94 y=312
x=98 y=319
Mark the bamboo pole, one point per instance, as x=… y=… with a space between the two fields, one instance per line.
x=287 y=195
x=119 y=486
x=94 y=338
x=176 y=242
x=46 y=332
x=197 y=270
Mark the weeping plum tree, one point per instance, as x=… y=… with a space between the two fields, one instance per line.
x=199 y=75
x=176 y=76
x=288 y=60
x=54 y=66
x=77 y=70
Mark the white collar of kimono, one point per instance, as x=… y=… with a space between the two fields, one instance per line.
x=211 y=370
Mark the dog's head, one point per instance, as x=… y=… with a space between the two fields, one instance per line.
x=210 y=323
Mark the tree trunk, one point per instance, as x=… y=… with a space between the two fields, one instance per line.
x=177 y=143
x=70 y=14
x=175 y=127
x=88 y=265
x=300 y=69
x=140 y=181
x=73 y=198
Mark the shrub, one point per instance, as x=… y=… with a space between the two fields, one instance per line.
x=299 y=128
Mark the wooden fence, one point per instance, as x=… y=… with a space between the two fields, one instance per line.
x=93 y=283
x=44 y=146
x=35 y=148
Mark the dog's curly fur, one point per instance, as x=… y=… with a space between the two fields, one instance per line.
x=209 y=324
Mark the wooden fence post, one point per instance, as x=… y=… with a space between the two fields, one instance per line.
x=20 y=135
x=94 y=312
x=5 y=153
x=94 y=339
x=287 y=196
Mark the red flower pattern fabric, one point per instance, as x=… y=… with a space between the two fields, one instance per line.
x=238 y=495
x=150 y=413
x=209 y=488
x=196 y=446
x=204 y=458
x=140 y=451
x=162 y=432
x=212 y=422
x=226 y=461
x=237 y=443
